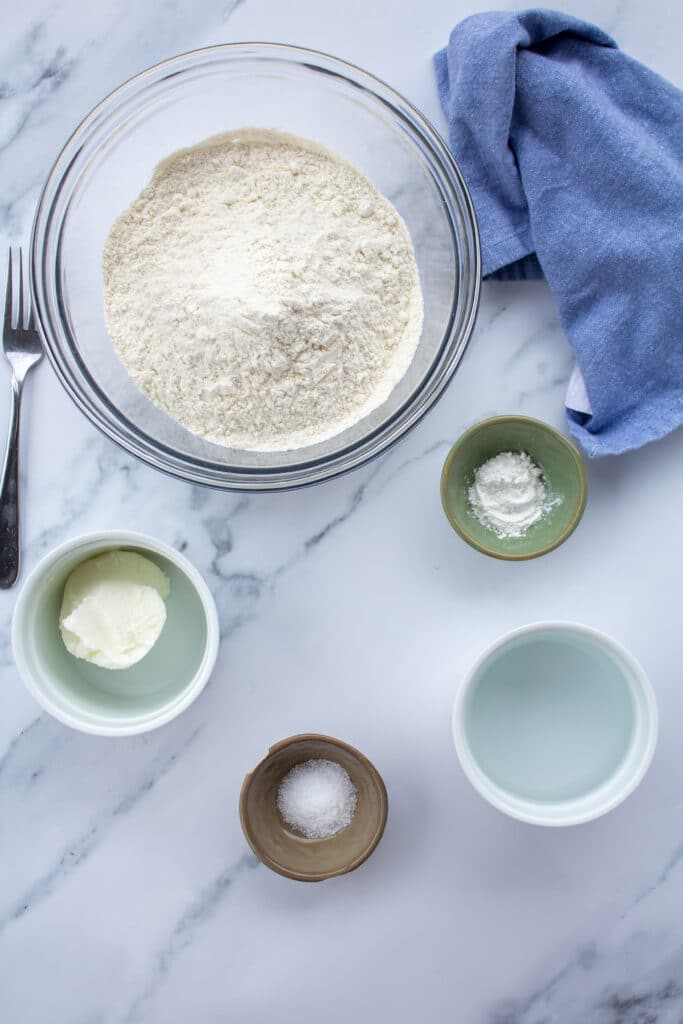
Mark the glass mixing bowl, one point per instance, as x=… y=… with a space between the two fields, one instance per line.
x=111 y=157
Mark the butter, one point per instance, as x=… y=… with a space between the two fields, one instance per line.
x=113 y=609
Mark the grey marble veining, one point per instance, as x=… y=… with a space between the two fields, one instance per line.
x=127 y=892
x=206 y=904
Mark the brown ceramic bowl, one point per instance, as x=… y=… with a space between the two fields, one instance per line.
x=294 y=855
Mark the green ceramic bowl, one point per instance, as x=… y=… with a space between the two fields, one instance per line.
x=132 y=700
x=564 y=471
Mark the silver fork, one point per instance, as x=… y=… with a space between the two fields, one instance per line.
x=22 y=348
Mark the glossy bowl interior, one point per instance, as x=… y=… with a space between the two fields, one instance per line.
x=555 y=724
x=111 y=157
x=564 y=472
x=127 y=701
x=282 y=848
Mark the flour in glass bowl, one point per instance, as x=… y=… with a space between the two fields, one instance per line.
x=262 y=292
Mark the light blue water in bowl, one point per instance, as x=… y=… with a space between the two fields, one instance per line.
x=550 y=716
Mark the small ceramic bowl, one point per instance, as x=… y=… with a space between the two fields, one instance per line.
x=277 y=845
x=564 y=472
x=555 y=724
x=127 y=701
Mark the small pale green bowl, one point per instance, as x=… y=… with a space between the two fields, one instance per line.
x=127 y=701
x=564 y=472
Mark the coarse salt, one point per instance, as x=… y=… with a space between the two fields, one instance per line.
x=317 y=798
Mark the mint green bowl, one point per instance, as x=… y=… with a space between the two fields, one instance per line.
x=98 y=700
x=564 y=472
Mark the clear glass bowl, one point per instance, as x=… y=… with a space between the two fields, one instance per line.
x=176 y=104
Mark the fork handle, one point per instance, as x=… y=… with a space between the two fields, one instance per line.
x=9 y=496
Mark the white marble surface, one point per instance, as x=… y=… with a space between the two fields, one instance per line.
x=127 y=893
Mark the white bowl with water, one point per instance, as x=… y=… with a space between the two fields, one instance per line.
x=555 y=724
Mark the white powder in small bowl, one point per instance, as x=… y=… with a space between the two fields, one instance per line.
x=509 y=494
x=317 y=798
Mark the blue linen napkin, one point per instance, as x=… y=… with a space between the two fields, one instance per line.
x=573 y=153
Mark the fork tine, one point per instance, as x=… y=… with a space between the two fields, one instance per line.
x=8 y=295
x=22 y=307
x=27 y=304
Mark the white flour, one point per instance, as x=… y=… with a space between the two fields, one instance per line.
x=509 y=495
x=262 y=292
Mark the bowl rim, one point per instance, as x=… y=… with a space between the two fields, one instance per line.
x=577 y=459
x=308 y=876
x=194 y=686
x=380 y=439
x=497 y=796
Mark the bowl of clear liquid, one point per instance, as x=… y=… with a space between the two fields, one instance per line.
x=555 y=724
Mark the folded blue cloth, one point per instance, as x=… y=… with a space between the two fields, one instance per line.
x=573 y=153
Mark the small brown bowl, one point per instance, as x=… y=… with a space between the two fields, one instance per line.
x=294 y=855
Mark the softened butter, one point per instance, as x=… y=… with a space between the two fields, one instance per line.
x=113 y=609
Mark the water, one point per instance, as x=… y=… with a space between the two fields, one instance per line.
x=551 y=716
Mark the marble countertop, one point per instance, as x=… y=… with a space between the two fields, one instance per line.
x=127 y=892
